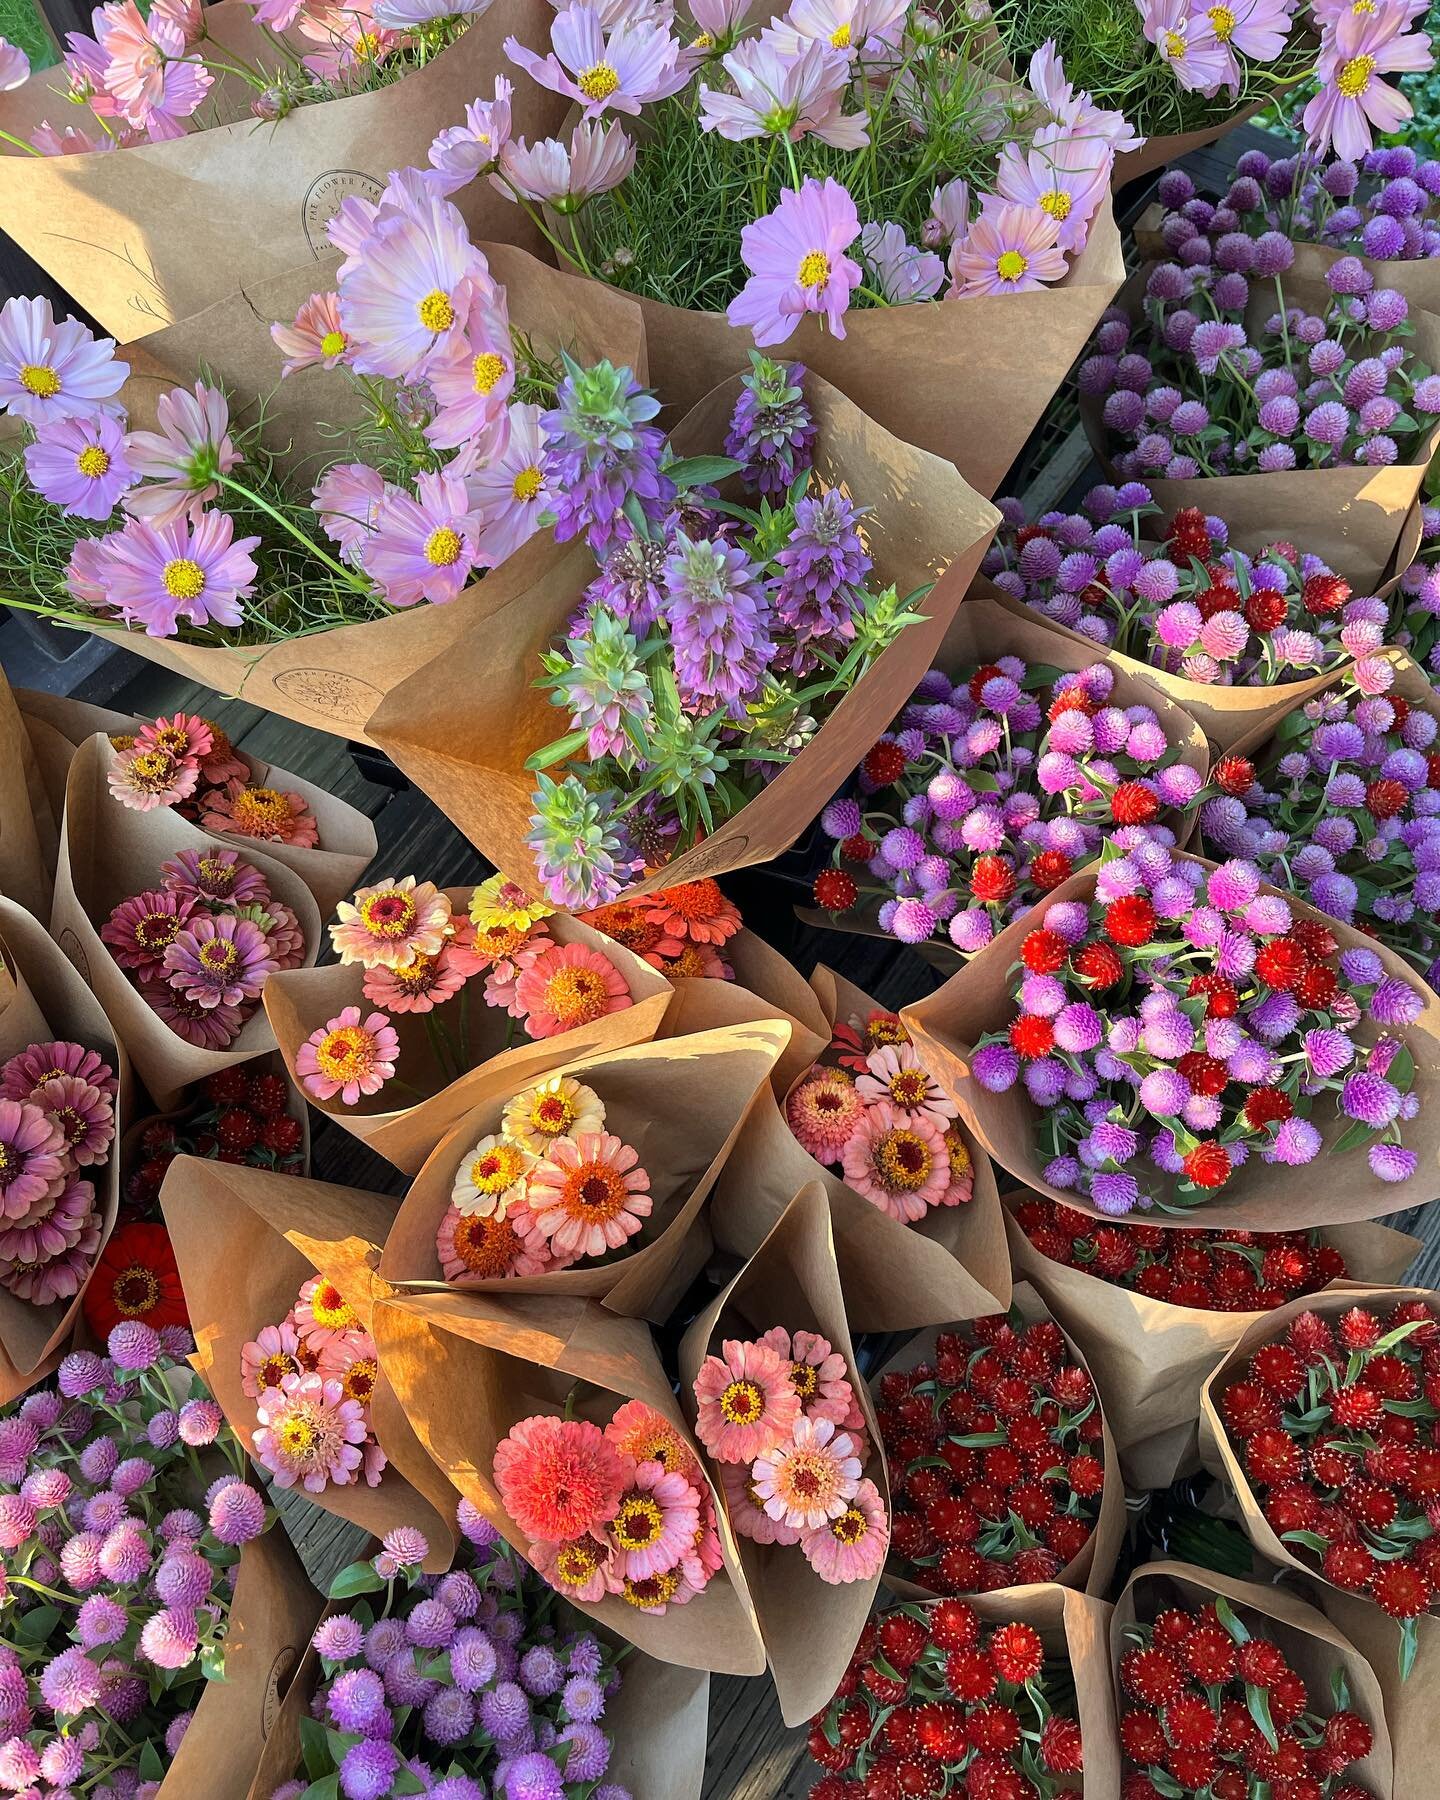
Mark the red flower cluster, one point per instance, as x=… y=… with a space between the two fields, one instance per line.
x=994 y=1458
x=1339 y=1431
x=240 y=1116
x=1215 y=1271
x=1218 y=1711
x=937 y=1703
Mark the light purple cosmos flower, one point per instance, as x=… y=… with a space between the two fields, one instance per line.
x=796 y=255
x=51 y=371
x=1008 y=249
x=423 y=546
x=156 y=575
x=508 y=491
x=620 y=70
x=461 y=152
x=80 y=465
x=598 y=158
x=178 y=464
x=784 y=93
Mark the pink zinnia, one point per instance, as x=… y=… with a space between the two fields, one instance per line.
x=474 y=1247
x=80 y=465
x=158 y=575
x=389 y=923
x=180 y=461
x=348 y=1058
x=51 y=371
x=321 y=1313
x=748 y=1518
x=578 y=1568
x=807 y=1480
x=894 y=1073
x=823 y=1111
x=623 y=69
x=208 y=1028
x=38 y=1063
x=265 y=1362
x=423 y=546
x=219 y=960
x=32 y=1157
x=588 y=1195
x=898 y=1161
x=817 y=1373
x=217 y=877
x=267 y=813
x=144 y=779
x=508 y=490
x=51 y=1227
x=472 y=376
x=656 y=1522
x=84 y=1114
x=747 y=1401
x=187 y=737
x=140 y=930
x=558 y=1478
x=565 y=986
x=851 y=1546
x=347 y=498
x=315 y=338
x=1357 y=49
x=1009 y=249
x=62 y=1277
x=310 y=1433
x=415 y=987
x=796 y=256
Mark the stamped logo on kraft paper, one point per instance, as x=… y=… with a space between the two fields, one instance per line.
x=71 y=945
x=345 y=698
x=322 y=202
x=278 y=1679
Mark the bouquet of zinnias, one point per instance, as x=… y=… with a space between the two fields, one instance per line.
x=1182 y=1024
x=190 y=764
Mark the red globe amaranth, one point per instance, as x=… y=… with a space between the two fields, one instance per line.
x=1189 y=536
x=1386 y=798
x=1132 y=803
x=884 y=763
x=1323 y=594
x=835 y=891
x=1234 y=775
x=992 y=879
x=1130 y=921
x=1049 y=869
x=1266 y=611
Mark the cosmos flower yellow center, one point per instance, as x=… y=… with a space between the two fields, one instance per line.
x=1057 y=203
x=1175 y=45
x=183 y=578
x=93 y=461
x=331 y=1310
x=218 y=955
x=260 y=810
x=367 y=45
x=741 y=1403
x=840 y=38
x=1354 y=76
x=488 y=370
x=637 y=1524
x=1222 y=21
x=903 y=1158
x=332 y=343
x=908 y=1088
x=527 y=483
x=1011 y=265
x=442 y=547
x=36 y=379
x=814 y=270
x=388 y=915
x=598 y=83
x=499 y=1168
x=553 y=1114
x=436 y=311
x=344 y=1054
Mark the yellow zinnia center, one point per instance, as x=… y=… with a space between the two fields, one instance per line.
x=850 y=1527
x=332 y=343
x=908 y=1088
x=741 y=1403
x=489 y=369
x=1354 y=77
x=298 y=1436
x=499 y=1168
x=814 y=269
x=93 y=461
x=1223 y=22
x=637 y=1524
x=443 y=547
x=152 y=767
x=359 y=1380
x=218 y=955
x=904 y=1160
x=527 y=483
x=436 y=311
x=576 y=996
x=552 y=1114
x=1057 y=203
x=576 y=1563
x=388 y=914
x=598 y=83
x=652 y=1590
x=344 y=1054
x=36 y=379
x=330 y=1309
x=805 y=1379
x=260 y=810
x=183 y=578
x=1011 y=266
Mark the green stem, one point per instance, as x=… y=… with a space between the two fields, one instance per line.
x=348 y=576
x=20 y=144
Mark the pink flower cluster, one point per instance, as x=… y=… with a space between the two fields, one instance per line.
x=200 y=946
x=312 y=1378
x=417 y=956
x=57 y=1126
x=622 y=1510
x=779 y=1415
x=190 y=764
x=546 y=1190
x=889 y=1127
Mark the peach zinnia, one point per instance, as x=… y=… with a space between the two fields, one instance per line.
x=565 y=986
x=391 y=923
x=748 y=1518
x=807 y=1481
x=696 y=962
x=817 y=1373
x=491 y=1177
x=589 y=1195
x=577 y=1569
x=348 y=1058
x=322 y=1312
x=559 y=1107
x=656 y=1522
x=644 y=1435
x=894 y=1073
x=558 y=1478
x=962 y=1169
x=747 y=1402
x=483 y=1247
x=852 y=1545
x=898 y=1161
x=823 y=1111
x=858 y=1039
x=260 y=812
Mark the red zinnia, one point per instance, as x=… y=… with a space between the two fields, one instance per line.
x=1133 y=803
x=135 y=1277
x=835 y=891
x=992 y=878
x=1049 y=868
x=1130 y=921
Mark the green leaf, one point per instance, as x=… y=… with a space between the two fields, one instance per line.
x=314 y=1748
x=151 y=1765
x=1352 y=1139
x=37 y=1624
x=406 y=1783
x=1402 y=1068
x=561 y=750
x=1225 y=1613
x=1409 y=1646
x=701 y=471
x=327 y=1788
x=212 y=1662
x=980 y=1440
x=1401 y=1332
x=1310 y=1539
x=339 y=1742
x=1258 y=1701
x=359 y=1578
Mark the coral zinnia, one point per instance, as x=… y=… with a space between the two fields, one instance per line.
x=348 y=1058
x=747 y=1403
x=817 y=1373
x=558 y=1107
x=390 y=923
x=418 y=986
x=309 y=1432
x=589 y=1195
x=899 y=1162
x=696 y=910
x=644 y=1435
x=577 y=1569
x=852 y=1545
x=568 y=985
x=558 y=1478
x=823 y=1111
x=135 y=1277
x=267 y=813
x=483 y=1247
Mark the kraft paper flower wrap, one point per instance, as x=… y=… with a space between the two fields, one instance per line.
x=951 y=1264
x=468 y=1367
x=925 y=525
x=679 y=1102
x=1352 y=517
x=27 y=823
x=109 y=853
x=1259 y=1196
x=43 y=999
x=809 y=1626
x=159 y=231
x=1411 y=1717
x=1312 y=1645
x=245 y=1240
x=1091 y=1570
x=298 y=1001
x=334 y=679
x=1150 y=1357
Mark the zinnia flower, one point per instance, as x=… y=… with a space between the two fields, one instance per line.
x=84 y=1114
x=207 y=1027
x=348 y=1058
x=898 y=1161
x=695 y=910
x=266 y=813
x=817 y=1373
x=310 y=1433
x=135 y=1277
x=895 y=1074
x=146 y=778
x=589 y=1195
x=215 y=878
x=491 y=1177
x=418 y=986
x=566 y=986
x=558 y=1478
x=851 y=1546
x=219 y=960
x=748 y=1518
x=140 y=930
x=823 y=1111
x=270 y=1357
x=474 y=1247
x=499 y=901
x=747 y=1403
x=808 y=1480
x=797 y=262
x=558 y=1107
x=80 y=465
x=388 y=924
x=32 y=1067
x=646 y=1436
x=50 y=372
x=655 y=1522
x=578 y=1569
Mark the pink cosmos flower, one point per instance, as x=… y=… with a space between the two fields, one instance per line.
x=51 y=371
x=141 y=929
x=401 y=15
x=348 y=1057
x=80 y=465
x=144 y=779
x=620 y=70
x=869 y=28
x=265 y=1362
x=1256 y=28
x=508 y=492
x=899 y=272
x=85 y=1115
x=656 y=1522
x=316 y=337
x=1009 y=249
x=52 y=1226
x=160 y=574
x=1356 y=50
x=415 y=987
x=347 y=498
x=72 y=141
x=408 y=194
x=1198 y=60
x=38 y=1063
x=785 y=93
x=747 y=1403
x=154 y=85
x=599 y=158
x=851 y=1546
x=14 y=66
x=588 y=1194
x=797 y=260
x=410 y=291
x=1060 y=174
x=461 y=152
x=207 y=1028
x=748 y=1518
x=219 y=960
x=1046 y=79
x=423 y=547
x=352 y=43
x=473 y=376
x=566 y=986
x=309 y=1433
x=180 y=461
x=32 y=1157
x=898 y=1161
x=807 y=1480
x=949 y=214
x=216 y=877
